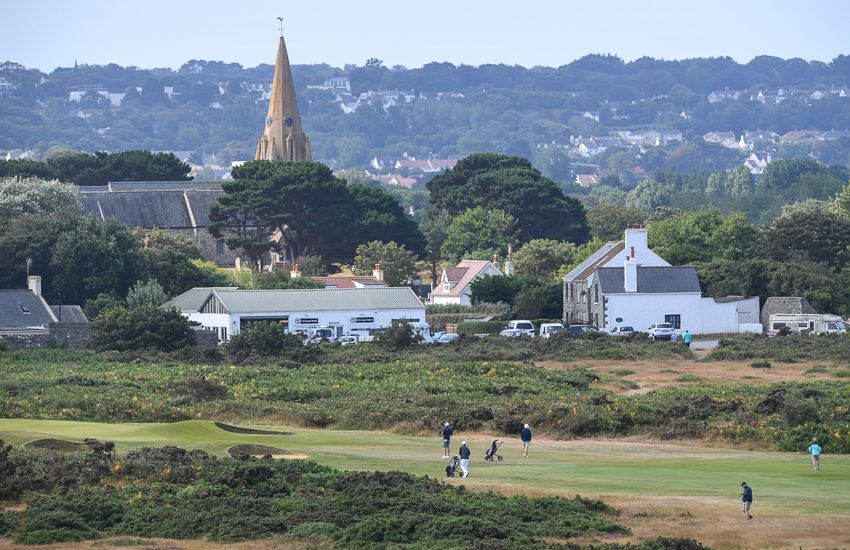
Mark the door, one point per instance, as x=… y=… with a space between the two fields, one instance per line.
x=674 y=319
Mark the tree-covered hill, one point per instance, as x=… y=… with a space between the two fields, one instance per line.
x=211 y=107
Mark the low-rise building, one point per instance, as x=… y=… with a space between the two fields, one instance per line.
x=358 y=311
x=27 y=321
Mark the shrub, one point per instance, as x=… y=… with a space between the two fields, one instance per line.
x=400 y=335
x=146 y=293
x=480 y=327
x=145 y=327
x=760 y=364
x=4 y=345
x=263 y=339
x=103 y=302
x=841 y=374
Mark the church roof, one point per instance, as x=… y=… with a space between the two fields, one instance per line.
x=165 y=209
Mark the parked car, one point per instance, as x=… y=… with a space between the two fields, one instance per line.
x=527 y=328
x=445 y=337
x=548 y=329
x=578 y=330
x=660 y=331
x=622 y=331
x=348 y=339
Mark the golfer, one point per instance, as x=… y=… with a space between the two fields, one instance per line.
x=815 y=450
x=525 y=435
x=447 y=438
x=464 y=458
x=746 y=499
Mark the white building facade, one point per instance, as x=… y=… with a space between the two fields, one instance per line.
x=357 y=311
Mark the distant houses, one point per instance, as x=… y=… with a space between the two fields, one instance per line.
x=454 y=284
x=27 y=321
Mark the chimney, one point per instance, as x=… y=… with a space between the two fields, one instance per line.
x=295 y=272
x=637 y=241
x=34 y=284
x=630 y=274
x=147 y=240
x=496 y=260
x=378 y=273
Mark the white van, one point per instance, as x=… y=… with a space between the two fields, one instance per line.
x=548 y=329
x=814 y=323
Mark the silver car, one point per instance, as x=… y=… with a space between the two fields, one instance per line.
x=660 y=331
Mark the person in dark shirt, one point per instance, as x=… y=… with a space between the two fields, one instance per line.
x=464 y=458
x=746 y=499
x=447 y=438
x=525 y=436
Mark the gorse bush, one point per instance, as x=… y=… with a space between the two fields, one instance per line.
x=400 y=335
x=178 y=494
x=795 y=347
x=415 y=395
x=263 y=339
x=146 y=327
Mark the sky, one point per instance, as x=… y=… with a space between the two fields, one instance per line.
x=158 y=33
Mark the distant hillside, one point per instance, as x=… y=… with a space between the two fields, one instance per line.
x=359 y=112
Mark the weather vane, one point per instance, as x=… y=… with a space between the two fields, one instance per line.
x=281 y=25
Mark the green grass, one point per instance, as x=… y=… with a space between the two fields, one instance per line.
x=783 y=481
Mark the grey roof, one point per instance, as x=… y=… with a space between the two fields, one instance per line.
x=20 y=309
x=148 y=209
x=194 y=298
x=164 y=185
x=784 y=304
x=69 y=314
x=200 y=202
x=261 y=301
x=651 y=279
x=592 y=259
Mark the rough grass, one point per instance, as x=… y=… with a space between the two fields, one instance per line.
x=681 y=490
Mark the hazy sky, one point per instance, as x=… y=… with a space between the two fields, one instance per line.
x=157 y=33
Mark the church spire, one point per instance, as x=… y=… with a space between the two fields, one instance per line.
x=283 y=138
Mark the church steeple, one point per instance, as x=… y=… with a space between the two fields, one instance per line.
x=283 y=138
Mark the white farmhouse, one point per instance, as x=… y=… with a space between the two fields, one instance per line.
x=454 y=285
x=359 y=311
x=628 y=284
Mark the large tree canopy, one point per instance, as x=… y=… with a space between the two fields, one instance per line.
x=314 y=212
x=500 y=182
x=100 y=168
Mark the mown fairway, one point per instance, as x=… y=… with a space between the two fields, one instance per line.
x=661 y=488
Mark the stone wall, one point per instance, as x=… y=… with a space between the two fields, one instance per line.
x=59 y=335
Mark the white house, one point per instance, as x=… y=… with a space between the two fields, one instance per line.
x=360 y=311
x=626 y=283
x=454 y=288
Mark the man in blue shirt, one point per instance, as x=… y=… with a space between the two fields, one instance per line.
x=687 y=337
x=815 y=450
x=447 y=439
x=525 y=436
x=464 y=458
x=746 y=499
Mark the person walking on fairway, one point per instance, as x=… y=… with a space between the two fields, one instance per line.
x=447 y=438
x=525 y=435
x=746 y=499
x=464 y=458
x=687 y=337
x=815 y=450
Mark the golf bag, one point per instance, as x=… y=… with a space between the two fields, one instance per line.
x=454 y=463
x=491 y=452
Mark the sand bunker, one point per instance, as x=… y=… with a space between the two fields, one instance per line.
x=247 y=431
x=263 y=450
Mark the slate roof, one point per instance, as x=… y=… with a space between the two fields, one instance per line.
x=267 y=301
x=651 y=279
x=165 y=209
x=194 y=298
x=164 y=185
x=21 y=310
x=595 y=258
x=69 y=314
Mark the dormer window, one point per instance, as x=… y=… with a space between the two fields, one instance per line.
x=447 y=286
x=24 y=308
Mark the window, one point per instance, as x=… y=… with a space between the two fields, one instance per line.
x=596 y=294
x=219 y=247
x=675 y=320
x=25 y=309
